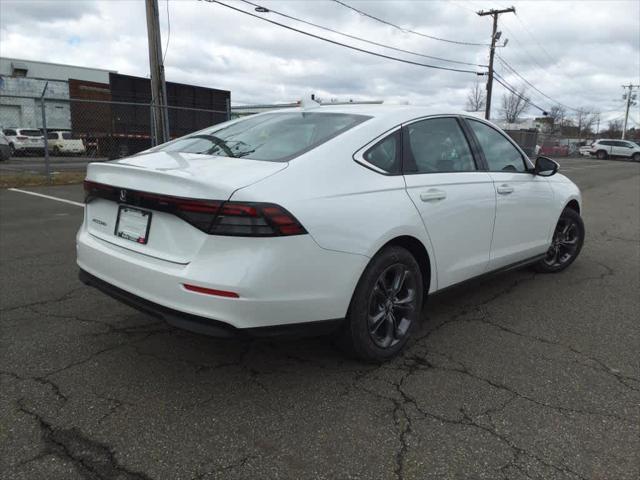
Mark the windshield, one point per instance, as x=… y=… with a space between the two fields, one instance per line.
x=275 y=137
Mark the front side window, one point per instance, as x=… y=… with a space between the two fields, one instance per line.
x=10 y=133
x=386 y=153
x=52 y=136
x=500 y=153
x=67 y=136
x=436 y=146
x=276 y=137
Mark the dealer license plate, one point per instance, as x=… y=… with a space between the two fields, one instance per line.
x=133 y=224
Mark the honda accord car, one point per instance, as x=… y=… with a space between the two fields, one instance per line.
x=333 y=218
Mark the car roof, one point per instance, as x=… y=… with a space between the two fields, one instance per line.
x=378 y=110
x=383 y=115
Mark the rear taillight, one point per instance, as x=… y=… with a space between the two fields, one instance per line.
x=241 y=219
x=255 y=220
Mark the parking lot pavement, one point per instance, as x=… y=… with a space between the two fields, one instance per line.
x=520 y=376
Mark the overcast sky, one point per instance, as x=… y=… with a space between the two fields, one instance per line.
x=578 y=53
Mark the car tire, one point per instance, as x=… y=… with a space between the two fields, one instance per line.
x=56 y=151
x=385 y=307
x=636 y=157
x=12 y=150
x=567 y=241
x=601 y=154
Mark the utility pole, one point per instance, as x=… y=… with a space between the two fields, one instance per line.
x=160 y=115
x=630 y=97
x=494 y=37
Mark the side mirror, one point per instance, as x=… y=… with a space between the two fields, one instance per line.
x=545 y=167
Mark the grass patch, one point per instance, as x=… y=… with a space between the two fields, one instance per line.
x=34 y=180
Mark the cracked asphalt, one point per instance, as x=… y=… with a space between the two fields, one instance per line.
x=522 y=376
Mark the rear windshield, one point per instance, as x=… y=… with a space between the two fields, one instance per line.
x=31 y=133
x=276 y=137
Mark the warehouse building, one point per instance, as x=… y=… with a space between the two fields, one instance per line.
x=22 y=83
x=108 y=110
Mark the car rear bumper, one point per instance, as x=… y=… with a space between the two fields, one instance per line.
x=208 y=326
x=280 y=281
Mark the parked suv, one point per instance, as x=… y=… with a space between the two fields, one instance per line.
x=61 y=143
x=24 y=140
x=605 y=148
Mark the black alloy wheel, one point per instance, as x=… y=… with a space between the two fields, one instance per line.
x=566 y=243
x=385 y=307
x=391 y=304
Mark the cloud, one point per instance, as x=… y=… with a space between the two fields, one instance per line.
x=578 y=53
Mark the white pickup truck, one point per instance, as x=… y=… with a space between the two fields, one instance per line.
x=61 y=143
x=606 y=148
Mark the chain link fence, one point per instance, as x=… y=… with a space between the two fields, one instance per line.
x=95 y=129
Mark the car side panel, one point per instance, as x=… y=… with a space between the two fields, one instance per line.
x=344 y=206
x=524 y=217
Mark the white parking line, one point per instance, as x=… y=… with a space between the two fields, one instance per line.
x=77 y=204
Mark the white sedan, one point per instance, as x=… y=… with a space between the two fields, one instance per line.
x=334 y=218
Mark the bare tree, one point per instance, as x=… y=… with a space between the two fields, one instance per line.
x=476 y=98
x=614 y=129
x=558 y=113
x=585 y=118
x=514 y=104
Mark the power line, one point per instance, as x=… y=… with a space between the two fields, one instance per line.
x=513 y=70
x=524 y=47
x=291 y=17
x=358 y=49
x=500 y=79
x=534 y=38
x=406 y=30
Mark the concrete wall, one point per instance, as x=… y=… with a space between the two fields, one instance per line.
x=53 y=71
x=27 y=112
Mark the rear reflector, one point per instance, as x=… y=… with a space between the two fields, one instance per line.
x=215 y=217
x=210 y=291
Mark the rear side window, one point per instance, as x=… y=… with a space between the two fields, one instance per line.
x=276 y=137
x=500 y=153
x=52 y=136
x=31 y=133
x=67 y=136
x=436 y=146
x=386 y=153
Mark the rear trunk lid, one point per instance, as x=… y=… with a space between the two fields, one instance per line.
x=183 y=175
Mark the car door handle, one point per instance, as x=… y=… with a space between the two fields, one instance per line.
x=433 y=195
x=505 y=189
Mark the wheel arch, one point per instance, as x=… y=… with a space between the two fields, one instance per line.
x=573 y=204
x=419 y=252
